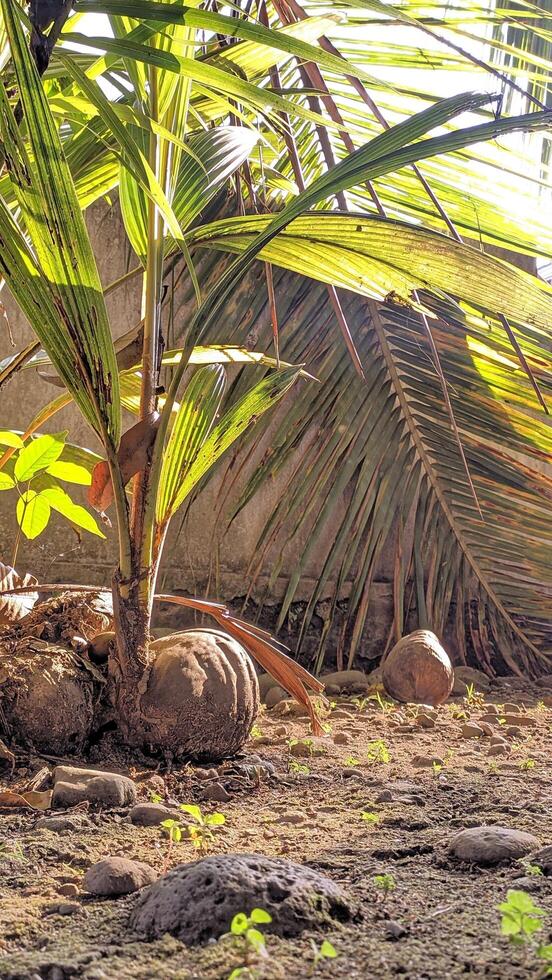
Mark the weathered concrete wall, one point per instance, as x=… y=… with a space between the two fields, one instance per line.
x=189 y=558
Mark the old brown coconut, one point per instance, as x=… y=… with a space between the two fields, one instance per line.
x=418 y=670
x=48 y=690
x=202 y=695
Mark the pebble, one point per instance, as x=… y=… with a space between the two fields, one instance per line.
x=118 y=876
x=73 y=785
x=149 y=814
x=489 y=718
x=485 y=727
x=68 y=890
x=510 y=708
x=488 y=845
x=216 y=791
x=57 y=824
x=499 y=748
x=471 y=730
x=523 y=720
x=341 y=738
x=385 y=796
x=347 y=679
x=426 y=761
x=62 y=908
x=275 y=695
x=394 y=930
x=425 y=721
x=513 y=731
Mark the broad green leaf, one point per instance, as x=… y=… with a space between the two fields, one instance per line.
x=215 y=819
x=6 y=481
x=60 y=501
x=38 y=455
x=70 y=472
x=239 y=924
x=33 y=513
x=199 y=405
x=11 y=439
x=193 y=810
x=260 y=915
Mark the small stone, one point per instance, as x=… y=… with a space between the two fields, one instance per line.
x=490 y=708
x=266 y=682
x=300 y=750
x=69 y=890
x=394 y=930
x=500 y=748
x=426 y=761
x=485 y=727
x=498 y=740
x=525 y=721
x=196 y=902
x=149 y=814
x=118 y=876
x=62 y=908
x=471 y=730
x=489 y=718
x=512 y=731
x=488 y=845
x=425 y=721
x=341 y=738
x=509 y=708
x=275 y=695
x=544 y=681
x=57 y=824
x=216 y=791
x=385 y=796
x=346 y=680
x=465 y=676
x=73 y=785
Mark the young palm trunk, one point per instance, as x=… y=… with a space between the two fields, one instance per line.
x=128 y=663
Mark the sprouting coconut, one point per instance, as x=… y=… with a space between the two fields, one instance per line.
x=418 y=670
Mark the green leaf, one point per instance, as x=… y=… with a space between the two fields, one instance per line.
x=215 y=819
x=196 y=415
x=233 y=424
x=6 y=481
x=60 y=501
x=33 y=513
x=239 y=924
x=66 y=264
x=11 y=439
x=255 y=938
x=328 y=951
x=38 y=455
x=193 y=810
x=260 y=915
x=70 y=472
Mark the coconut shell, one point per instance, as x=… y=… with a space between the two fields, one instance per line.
x=202 y=695
x=418 y=670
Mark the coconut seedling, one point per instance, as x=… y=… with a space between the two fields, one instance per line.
x=166 y=177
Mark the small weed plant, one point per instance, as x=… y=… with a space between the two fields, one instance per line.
x=369 y=817
x=522 y=921
x=378 y=752
x=385 y=883
x=199 y=831
x=250 y=941
x=326 y=951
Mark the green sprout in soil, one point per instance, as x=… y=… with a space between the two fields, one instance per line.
x=385 y=883
x=360 y=703
x=326 y=951
x=174 y=831
x=249 y=940
x=256 y=732
x=521 y=920
x=527 y=764
x=155 y=797
x=387 y=707
x=298 y=767
x=378 y=752
x=200 y=831
x=369 y=817
x=473 y=698
x=352 y=761
x=533 y=870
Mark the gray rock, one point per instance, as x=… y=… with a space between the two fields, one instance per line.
x=60 y=822
x=266 y=681
x=350 y=680
x=464 y=676
x=150 y=814
x=491 y=844
x=73 y=785
x=469 y=730
x=427 y=761
x=196 y=902
x=117 y=876
x=215 y=791
x=275 y=695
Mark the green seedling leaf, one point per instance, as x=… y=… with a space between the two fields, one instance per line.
x=33 y=513
x=255 y=939
x=6 y=481
x=11 y=439
x=240 y=924
x=193 y=810
x=369 y=817
x=260 y=915
x=215 y=819
x=38 y=455
x=328 y=951
x=70 y=473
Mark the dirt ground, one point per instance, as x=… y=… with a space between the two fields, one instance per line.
x=304 y=800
